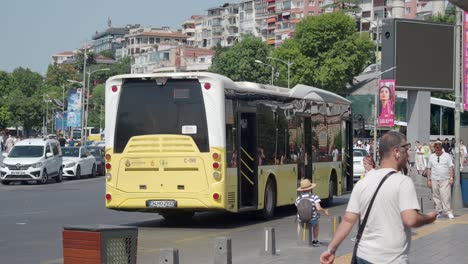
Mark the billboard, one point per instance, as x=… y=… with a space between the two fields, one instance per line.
x=422 y=53
x=465 y=61
x=74 y=108
x=386 y=106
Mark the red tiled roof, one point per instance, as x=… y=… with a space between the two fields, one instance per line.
x=197 y=52
x=65 y=53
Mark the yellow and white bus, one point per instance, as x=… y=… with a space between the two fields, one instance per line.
x=179 y=143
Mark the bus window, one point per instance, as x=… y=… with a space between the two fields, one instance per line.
x=146 y=108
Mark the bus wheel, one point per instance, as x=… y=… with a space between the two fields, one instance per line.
x=177 y=217
x=331 y=190
x=269 y=200
x=6 y=182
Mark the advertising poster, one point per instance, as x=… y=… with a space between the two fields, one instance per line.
x=74 y=108
x=465 y=61
x=386 y=104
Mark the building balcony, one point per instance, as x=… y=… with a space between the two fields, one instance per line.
x=271 y=1
x=271 y=8
x=271 y=20
x=270 y=41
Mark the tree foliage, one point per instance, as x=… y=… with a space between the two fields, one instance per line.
x=330 y=49
x=57 y=75
x=238 y=62
x=449 y=17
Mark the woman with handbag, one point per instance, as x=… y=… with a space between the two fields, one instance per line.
x=387 y=204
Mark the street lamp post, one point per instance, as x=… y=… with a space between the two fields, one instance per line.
x=87 y=100
x=272 y=69
x=288 y=63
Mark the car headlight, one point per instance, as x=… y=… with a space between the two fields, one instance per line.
x=69 y=165
x=36 y=165
x=2 y=165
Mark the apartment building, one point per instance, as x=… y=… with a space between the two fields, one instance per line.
x=63 y=57
x=221 y=26
x=192 y=27
x=141 y=40
x=111 y=39
x=247 y=21
x=172 y=58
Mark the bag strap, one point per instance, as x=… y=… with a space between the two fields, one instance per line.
x=364 y=221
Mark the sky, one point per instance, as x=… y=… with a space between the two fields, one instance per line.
x=33 y=30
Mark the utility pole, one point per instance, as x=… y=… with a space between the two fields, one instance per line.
x=83 y=92
x=376 y=98
x=457 y=195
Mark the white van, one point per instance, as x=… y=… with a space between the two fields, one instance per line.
x=32 y=159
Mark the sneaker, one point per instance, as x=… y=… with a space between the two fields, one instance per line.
x=450 y=216
x=315 y=243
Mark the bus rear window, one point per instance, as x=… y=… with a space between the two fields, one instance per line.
x=146 y=108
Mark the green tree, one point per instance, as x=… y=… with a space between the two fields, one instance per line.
x=26 y=81
x=238 y=62
x=4 y=117
x=449 y=17
x=107 y=53
x=6 y=84
x=327 y=52
x=347 y=6
x=79 y=59
x=58 y=75
x=26 y=111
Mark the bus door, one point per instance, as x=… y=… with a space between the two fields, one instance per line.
x=347 y=155
x=248 y=160
x=308 y=148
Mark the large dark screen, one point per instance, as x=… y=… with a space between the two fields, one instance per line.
x=424 y=56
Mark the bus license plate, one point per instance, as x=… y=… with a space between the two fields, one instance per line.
x=162 y=203
x=17 y=172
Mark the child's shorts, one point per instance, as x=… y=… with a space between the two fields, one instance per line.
x=313 y=221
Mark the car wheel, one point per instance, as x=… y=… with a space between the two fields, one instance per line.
x=44 y=178
x=78 y=173
x=269 y=200
x=6 y=182
x=93 y=171
x=59 y=177
x=103 y=170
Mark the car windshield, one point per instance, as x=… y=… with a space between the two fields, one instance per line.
x=96 y=152
x=26 y=152
x=71 y=152
x=359 y=153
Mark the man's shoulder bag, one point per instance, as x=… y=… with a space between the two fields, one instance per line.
x=364 y=221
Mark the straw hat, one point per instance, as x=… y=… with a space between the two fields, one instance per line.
x=306 y=185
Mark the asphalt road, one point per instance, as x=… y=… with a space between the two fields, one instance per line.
x=32 y=217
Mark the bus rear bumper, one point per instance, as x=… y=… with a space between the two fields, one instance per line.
x=120 y=200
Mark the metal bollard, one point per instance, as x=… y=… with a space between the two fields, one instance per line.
x=305 y=234
x=169 y=256
x=336 y=223
x=269 y=240
x=223 y=250
x=422 y=206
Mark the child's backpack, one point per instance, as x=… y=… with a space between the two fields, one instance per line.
x=305 y=209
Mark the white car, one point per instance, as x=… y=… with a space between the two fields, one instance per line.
x=32 y=159
x=78 y=161
x=358 y=165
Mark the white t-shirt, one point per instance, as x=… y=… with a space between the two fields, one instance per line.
x=385 y=238
x=440 y=168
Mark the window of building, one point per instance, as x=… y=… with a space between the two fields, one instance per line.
x=137 y=50
x=311 y=13
x=408 y=10
x=138 y=40
x=151 y=40
x=158 y=40
x=132 y=41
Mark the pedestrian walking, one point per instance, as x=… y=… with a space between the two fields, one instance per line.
x=463 y=153
x=308 y=208
x=420 y=161
x=9 y=143
x=440 y=179
x=387 y=204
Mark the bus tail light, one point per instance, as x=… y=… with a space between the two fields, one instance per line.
x=215 y=156
x=207 y=86
x=217 y=175
x=108 y=176
x=108 y=197
x=216 y=196
x=115 y=88
x=108 y=156
x=215 y=165
x=108 y=166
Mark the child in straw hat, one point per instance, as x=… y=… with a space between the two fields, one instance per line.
x=306 y=195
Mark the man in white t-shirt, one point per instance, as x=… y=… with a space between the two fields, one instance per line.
x=387 y=234
x=440 y=179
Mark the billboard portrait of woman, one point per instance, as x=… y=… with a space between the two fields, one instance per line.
x=386 y=103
